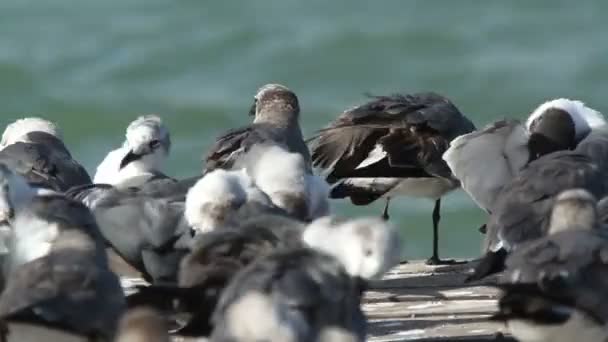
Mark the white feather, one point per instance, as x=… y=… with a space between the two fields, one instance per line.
x=278 y=322
x=210 y=200
x=32 y=238
x=373 y=157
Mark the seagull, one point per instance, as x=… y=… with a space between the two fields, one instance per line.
x=216 y=199
x=392 y=146
x=142 y=156
x=554 y=287
x=505 y=147
x=521 y=211
x=299 y=293
x=369 y=247
x=276 y=112
x=33 y=148
x=67 y=288
x=215 y=258
x=312 y=291
x=291 y=186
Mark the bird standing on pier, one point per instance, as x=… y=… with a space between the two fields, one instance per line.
x=392 y=146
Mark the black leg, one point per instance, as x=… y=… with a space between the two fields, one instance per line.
x=434 y=260
x=385 y=212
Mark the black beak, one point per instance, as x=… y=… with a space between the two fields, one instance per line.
x=252 y=109
x=130 y=157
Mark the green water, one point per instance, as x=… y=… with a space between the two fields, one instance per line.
x=93 y=66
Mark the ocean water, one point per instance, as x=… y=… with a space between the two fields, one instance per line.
x=93 y=66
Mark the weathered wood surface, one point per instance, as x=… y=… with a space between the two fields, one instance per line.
x=416 y=302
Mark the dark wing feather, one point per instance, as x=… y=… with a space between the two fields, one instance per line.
x=567 y=267
x=300 y=276
x=522 y=209
x=229 y=147
x=47 y=164
x=60 y=289
x=414 y=131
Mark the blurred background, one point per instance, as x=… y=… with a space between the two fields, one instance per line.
x=93 y=66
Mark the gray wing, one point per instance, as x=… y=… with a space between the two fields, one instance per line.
x=149 y=233
x=64 y=290
x=66 y=212
x=487 y=159
x=229 y=148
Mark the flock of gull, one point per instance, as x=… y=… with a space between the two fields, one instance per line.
x=248 y=249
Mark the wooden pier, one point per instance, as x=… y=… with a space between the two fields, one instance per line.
x=416 y=302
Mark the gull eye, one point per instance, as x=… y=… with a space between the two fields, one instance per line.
x=154 y=144
x=368 y=252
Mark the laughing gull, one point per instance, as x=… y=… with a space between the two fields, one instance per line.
x=141 y=157
x=299 y=293
x=554 y=287
x=69 y=288
x=215 y=258
x=315 y=288
x=142 y=325
x=33 y=148
x=392 y=146
x=221 y=198
x=291 y=186
x=276 y=114
x=521 y=211
x=505 y=147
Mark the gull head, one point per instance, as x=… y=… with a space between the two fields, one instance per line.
x=147 y=143
x=560 y=124
x=18 y=130
x=212 y=200
x=573 y=209
x=275 y=103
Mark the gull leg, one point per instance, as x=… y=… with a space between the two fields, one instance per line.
x=385 y=216
x=434 y=260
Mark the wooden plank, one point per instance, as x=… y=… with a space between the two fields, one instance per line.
x=416 y=302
